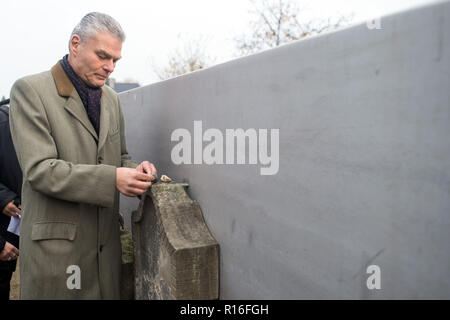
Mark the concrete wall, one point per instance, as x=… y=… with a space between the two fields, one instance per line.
x=364 y=148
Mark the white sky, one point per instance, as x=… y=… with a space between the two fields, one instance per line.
x=35 y=34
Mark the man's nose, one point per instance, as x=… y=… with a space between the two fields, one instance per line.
x=109 y=66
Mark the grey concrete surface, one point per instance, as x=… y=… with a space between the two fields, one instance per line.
x=364 y=149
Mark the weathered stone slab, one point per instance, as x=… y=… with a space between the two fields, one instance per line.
x=176 y=257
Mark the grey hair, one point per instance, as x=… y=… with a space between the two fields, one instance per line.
x=95 y=22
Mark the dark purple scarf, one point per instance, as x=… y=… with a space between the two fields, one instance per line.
x=90 y=96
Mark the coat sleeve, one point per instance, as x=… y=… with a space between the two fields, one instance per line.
x=126 y=160
x=38 y=156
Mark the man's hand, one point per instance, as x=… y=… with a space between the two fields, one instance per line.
x=9 y=252
x=147 y=168
x=11 y=210
x=131 y=182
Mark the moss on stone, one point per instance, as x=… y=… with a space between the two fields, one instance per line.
x=127 y=246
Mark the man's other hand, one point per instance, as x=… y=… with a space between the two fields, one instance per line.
x=9 y=252
x=147 y=168
x=131 y=182
x=11 y=210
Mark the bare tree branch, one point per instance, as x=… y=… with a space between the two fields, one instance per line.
x=276 y=22
x=188 y=57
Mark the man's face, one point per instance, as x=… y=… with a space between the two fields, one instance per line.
x=95 y=60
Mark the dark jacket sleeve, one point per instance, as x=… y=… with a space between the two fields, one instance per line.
x=2 y=243
x=6 y=196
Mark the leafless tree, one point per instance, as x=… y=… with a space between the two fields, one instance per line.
x=277 y=22
x=189 y=56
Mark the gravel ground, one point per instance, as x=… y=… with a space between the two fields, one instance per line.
x=15 y=284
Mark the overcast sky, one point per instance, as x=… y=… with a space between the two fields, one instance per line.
x=35 y=34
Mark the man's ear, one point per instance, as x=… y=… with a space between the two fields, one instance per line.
x=75 y=43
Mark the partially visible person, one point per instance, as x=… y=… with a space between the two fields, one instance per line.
x=10 y=202
x=68 y=132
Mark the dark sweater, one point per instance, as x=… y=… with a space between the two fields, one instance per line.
x=90 y=96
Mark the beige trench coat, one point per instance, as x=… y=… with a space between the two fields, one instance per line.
x=70 y=203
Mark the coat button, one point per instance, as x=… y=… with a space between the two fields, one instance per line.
x=101 y=248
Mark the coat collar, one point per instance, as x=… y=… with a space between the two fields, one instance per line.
x=75 y=106
x=62 y=81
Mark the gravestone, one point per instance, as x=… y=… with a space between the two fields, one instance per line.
x=176 y=257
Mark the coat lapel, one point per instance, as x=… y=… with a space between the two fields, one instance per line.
x=104 y=119
x=74 y=105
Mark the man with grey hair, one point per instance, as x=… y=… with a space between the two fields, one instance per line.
x=68 y=132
